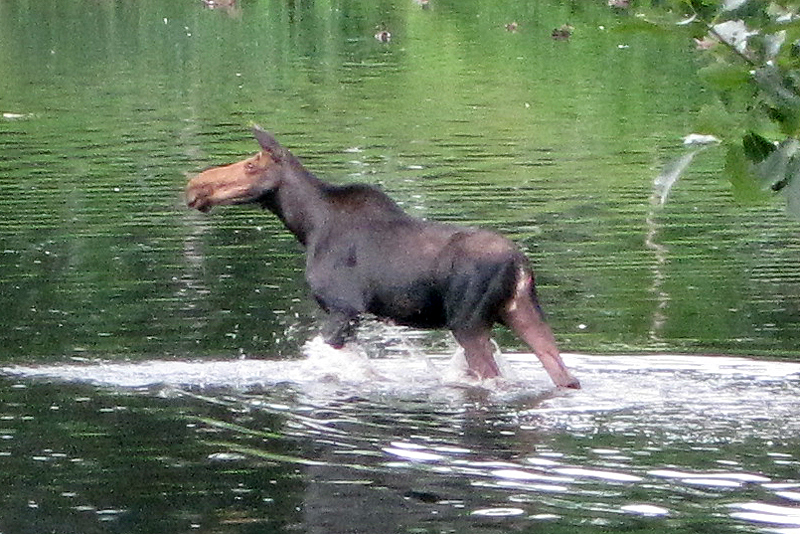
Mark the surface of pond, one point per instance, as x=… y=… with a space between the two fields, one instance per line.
x=158 y=373
x=333 y=443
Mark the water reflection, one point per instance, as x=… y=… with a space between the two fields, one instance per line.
x=107 y=106
x=328 y=444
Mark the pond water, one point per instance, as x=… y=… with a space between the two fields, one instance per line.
x=160 y=371
x=342 y=443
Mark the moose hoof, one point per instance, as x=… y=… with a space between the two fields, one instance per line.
x=573 y=383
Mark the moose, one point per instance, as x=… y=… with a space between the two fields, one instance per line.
x=365 y=255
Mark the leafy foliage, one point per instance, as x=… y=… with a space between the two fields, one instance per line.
x=751 y=55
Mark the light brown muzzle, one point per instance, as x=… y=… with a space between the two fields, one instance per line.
x=236 y=183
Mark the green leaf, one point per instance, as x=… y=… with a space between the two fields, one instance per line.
x=776 y=168
x=756 y=147
x=722 y=76
x=739 y=169
x=781 y=97
x=715 y=119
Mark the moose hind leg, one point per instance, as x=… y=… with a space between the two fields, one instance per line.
x=479 y=352
x=523 y=316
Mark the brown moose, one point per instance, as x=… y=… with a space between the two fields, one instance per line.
x=364 y=254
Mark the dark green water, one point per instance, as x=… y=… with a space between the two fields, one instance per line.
x=107 y=105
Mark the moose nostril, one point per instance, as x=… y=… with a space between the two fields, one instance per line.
x=198 y=199
x=193 y=199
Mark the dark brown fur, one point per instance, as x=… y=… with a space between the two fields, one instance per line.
x=364 y=254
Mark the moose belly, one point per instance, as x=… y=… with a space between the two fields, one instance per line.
x=417 y=305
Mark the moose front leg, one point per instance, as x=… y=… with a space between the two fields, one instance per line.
x=339 y=328
x=478 y=351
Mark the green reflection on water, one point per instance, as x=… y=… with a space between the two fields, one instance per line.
x=552 y=142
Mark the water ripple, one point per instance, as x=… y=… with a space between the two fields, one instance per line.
x=648 y=438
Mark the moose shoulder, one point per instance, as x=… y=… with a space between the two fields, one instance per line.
x=364 y=254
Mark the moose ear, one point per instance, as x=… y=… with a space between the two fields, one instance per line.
x=269 y=143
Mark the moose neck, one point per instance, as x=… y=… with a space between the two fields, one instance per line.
x=300 y=203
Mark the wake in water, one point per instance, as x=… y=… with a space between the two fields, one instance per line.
x=610 y=382
x=320 y=365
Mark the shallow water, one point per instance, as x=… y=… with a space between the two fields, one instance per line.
x=333 y=443
x=156 y=369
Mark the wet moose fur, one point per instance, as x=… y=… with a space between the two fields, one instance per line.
x=364 y=254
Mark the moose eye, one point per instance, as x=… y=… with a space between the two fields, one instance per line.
x=249 y=167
